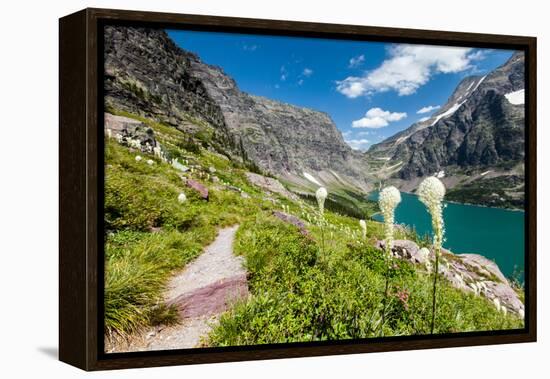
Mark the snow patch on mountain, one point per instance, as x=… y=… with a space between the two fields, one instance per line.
x=311 y=178
x=448 y=112
x=478 y=83
x=516 y=97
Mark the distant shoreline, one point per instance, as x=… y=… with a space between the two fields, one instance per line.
x=457 y=202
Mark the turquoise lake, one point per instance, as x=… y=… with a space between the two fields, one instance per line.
x=495 y=233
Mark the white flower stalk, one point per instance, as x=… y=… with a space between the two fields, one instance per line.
x=109 y=133
x=136 y=144
x=182 y=198
x=424 y=252
x=496 y=301
x=150 y=162
x=431 y=192
x=388 y=200
x=157 y=150
x=321 y=196
x=363 y=225
x=138 y=158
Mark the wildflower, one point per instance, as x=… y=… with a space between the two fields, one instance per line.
x=388 y=200
x=363 y=225
x=138 y=158
x=403 y=297
x=150 y=162
x=158 y=151
x=431 y=192
x=109 y=133
x=136 y=144
x=182 y=198
x=429 y=267
x=425 y=254
x=496 y=301
x=321 y=195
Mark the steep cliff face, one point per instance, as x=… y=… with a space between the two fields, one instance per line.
x=394 y=144
x=478 y=134
x=478 y=126
x=147 y=73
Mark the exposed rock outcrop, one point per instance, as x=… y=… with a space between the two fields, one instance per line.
x=126 y=129
x=201 y=189
x=270 y=185
x=293 y=220
x=468 y=272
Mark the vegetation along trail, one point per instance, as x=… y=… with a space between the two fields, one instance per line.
x=201 y=292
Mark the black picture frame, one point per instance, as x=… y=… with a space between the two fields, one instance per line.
x=81 y=187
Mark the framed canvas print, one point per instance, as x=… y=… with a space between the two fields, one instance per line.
x=238 y=189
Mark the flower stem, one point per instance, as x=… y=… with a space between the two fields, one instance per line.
x=436 y=274
x=323 y=242
x=385 y=303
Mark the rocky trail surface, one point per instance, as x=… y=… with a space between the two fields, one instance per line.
x=201 y=292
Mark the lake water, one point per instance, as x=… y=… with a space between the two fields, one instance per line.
x=495 y=233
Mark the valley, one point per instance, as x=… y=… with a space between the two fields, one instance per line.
x=190 y=157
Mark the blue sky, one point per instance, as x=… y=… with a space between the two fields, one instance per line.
x=371 y=90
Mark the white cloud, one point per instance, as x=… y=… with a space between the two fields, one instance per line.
x=424 y=119
x=300 y=82
x=408 y=68
x=427 y=109
x=358 y=144
x=250 y=47
x=356 y=61
x=479 y=54
x=307 y=72
x=378 y=118
x=366 y=133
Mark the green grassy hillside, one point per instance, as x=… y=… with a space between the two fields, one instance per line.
x=328 y=284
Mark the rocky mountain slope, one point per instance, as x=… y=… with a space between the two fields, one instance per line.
x=147 y=74
x=478 y=135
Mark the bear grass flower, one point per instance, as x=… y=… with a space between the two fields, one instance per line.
x=138 y=158
x=388 y=200
x=431 y=193
x=321 y=195
x=363 y=225
x=182 y=198
x=425 y=253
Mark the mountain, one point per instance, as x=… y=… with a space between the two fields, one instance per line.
x=475 y=142
x=147 y=74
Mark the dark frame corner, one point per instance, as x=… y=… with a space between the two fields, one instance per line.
x=80 y=165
